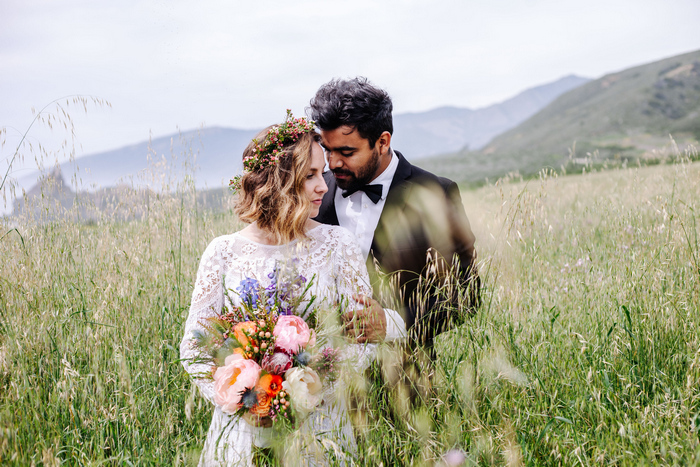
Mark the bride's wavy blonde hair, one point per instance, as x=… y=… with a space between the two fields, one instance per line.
x=274 y=197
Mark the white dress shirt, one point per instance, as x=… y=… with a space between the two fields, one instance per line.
x=360 y=216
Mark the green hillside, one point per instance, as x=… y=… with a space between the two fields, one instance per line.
x=621 y=117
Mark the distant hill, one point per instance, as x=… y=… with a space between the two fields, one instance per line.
x=624 y=116
x=52 y=199
x=448 y=129
x=215 y=153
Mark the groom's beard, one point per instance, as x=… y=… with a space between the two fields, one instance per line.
x=363 y=176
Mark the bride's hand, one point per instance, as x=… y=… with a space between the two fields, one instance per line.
x=254 y=420
x=367 y=324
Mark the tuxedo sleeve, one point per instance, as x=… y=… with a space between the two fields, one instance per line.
x=423 y=251
x=449 y=285
x=464 y=246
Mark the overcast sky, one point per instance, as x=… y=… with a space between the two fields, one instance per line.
x=170 y=64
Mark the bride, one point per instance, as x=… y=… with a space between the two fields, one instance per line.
x=280 y=191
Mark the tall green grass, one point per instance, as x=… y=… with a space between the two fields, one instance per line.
x=589 y=351
x=585 y=351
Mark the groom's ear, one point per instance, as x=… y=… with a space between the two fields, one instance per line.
x=384 y=143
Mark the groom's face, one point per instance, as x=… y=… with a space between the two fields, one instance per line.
x=351 y=159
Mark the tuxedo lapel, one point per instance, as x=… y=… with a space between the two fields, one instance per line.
x=403 y=172
x=395 y=198
x=326 y=213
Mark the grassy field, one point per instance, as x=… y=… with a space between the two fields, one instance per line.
x=586 y=351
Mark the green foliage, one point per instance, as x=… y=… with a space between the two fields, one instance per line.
x=90 y=320
x=589 y=350
x=584 y=351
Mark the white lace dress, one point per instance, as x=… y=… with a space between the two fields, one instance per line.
x=333 y=258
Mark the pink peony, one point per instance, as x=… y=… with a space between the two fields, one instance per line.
x=277 y=363
x=292 y=333
x=232 y=379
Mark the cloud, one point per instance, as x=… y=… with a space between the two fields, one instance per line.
x=167 y=64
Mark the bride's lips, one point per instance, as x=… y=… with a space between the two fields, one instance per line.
x=317 y=202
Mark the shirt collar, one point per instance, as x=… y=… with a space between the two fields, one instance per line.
x=385 y=178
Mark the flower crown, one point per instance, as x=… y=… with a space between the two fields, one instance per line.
x=269 y=151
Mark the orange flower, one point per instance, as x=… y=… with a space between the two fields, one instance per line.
x=270 y=384
x=262 y=408
x=240 y=330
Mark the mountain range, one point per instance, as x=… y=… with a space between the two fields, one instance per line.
x=640 y=114
x=213 y=154
x=634 y=115
x=448 y=129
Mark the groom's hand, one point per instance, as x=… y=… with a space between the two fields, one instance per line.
x=368 y=322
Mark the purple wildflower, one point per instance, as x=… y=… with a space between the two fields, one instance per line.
x=248 y=291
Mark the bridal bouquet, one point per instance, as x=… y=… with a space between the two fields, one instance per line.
x=266 y=361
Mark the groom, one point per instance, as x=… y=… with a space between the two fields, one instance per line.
x=409 y=222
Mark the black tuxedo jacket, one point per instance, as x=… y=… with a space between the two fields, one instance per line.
x=422 y=243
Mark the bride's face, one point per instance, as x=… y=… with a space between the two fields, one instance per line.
x=315 y=185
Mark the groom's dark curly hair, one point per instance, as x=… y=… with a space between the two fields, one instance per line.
x=355 y=103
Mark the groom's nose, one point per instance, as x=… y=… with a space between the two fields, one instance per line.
x=334 y=162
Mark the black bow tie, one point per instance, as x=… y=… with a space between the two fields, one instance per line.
x=373 y=192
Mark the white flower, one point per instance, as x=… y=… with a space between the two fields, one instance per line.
x=453 y=458
x=304 y=388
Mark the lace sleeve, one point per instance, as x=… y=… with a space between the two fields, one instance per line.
x=207 y=301
x=353 y=278
x=351 y=275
